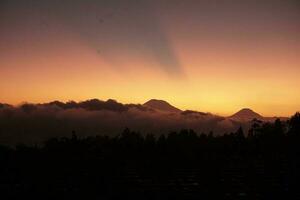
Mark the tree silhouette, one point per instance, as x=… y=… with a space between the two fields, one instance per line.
x=294 y=125
x=261 y=165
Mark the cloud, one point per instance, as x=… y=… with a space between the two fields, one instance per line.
x=31 y=123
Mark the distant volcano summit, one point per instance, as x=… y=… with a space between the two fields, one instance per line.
x=246 y=114
x=161 y=105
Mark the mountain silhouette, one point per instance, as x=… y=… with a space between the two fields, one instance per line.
x=192 y=112
x=246 y=114
x=161 y=105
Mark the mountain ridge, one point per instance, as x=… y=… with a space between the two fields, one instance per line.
x=161 y=105
x=245 y=114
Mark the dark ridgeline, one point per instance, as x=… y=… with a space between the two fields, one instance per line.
x=262 y=165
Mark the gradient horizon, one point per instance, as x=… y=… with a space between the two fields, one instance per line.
x=211 y=56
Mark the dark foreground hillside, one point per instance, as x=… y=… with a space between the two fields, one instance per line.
x=184 y=165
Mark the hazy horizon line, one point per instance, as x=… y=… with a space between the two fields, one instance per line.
x=139 y=103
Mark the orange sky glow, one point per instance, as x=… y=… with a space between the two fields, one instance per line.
x=219 y=60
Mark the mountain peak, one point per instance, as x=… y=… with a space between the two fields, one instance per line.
x=161 y=105
x=245 y=114
x=246 y=109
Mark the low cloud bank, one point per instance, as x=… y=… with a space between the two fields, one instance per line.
x=31 y=123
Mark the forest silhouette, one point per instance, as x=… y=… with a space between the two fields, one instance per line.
x=261 y=164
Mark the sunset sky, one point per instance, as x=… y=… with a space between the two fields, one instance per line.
x=211 y=56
